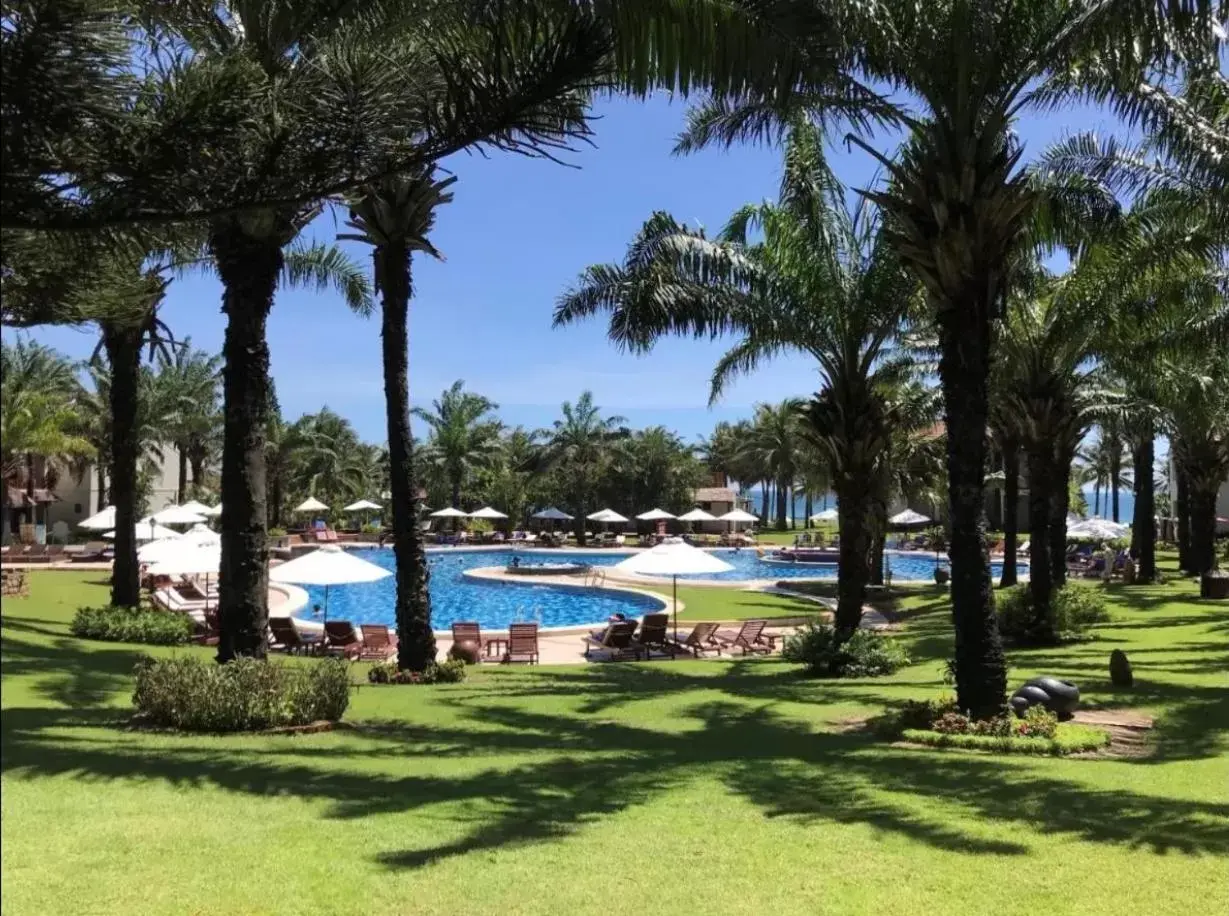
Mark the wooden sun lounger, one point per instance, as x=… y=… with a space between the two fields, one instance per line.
x=653 y=636
x=210 y=628
x=749 y=638
x=702 y=638
x=340 y=637
x=286 y=636
x=616 y=640
x=522 y=643
x=378 y=643
x=471 y=632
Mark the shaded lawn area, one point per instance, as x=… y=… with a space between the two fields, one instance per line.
x=683 y=787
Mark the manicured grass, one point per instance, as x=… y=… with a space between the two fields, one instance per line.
x=734 y=604
x=1069 y=739
x=667 y=787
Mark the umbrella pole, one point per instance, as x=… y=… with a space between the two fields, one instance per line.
x=326 y=604
x=676 y=608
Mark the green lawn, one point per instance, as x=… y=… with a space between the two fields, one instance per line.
x=667 y=787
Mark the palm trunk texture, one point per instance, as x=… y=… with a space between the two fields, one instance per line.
x=1143 y=522
x=249 y=268
x=964 y=369
x=853 y=574
x=1182 y=515
x=1041 y=578
x=123 y=346
x=1011 y=512
x=415 y=640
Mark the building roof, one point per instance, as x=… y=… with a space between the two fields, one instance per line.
x=715 y=495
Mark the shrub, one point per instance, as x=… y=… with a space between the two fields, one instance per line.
x=1038 y=722
x=1069 y=739
x=244 y=695
x=1073 y=610
x=865 y=654
x=277 y=532
x=122 y=624
x=450 y=671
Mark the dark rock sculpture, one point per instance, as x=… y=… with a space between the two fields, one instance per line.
x=1060 y=697
x=1120 y=669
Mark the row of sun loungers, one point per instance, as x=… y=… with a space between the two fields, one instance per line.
x=371 y=642
x=621 y=639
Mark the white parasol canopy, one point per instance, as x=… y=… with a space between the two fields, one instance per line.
x=697 y=515
x=330 y=565
x=738 y=515
x=198 y=507
x=176 y=515
x=361 y=505
x=673 y=557
x=908 y=517
x=828 y=515
x=1098 y=529
x=102 y=521
x=147 y=531
x=448 y=513
x=213 y=512
x=311 y=504
x=488 y=512
x=200 y=536
x=174 y=558
x=552 y=515
x=606 y=515
x=654 y=515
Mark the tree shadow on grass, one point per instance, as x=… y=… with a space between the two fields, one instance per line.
x=595 y=771
x=68 y=673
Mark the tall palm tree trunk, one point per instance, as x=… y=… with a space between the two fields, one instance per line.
x=782 y=494
x=1040 y=500
x=123 y=346
x=1060 y=503
x=1143 y=521
x=415 y=640
x=101 y=471
x=964 y=369
x=764 y=501
x=1202 y=497
x=809 y=511
x=249 y=268
x=182 y=484
x=853 y=574
x=1115 y=476
x=1182 y=514
x=1011 y=511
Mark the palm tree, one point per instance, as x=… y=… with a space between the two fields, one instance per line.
x=958 y=206
x=512 y=483
x=191 y=379
x=395 y=217
x=579 y=450
x=822 y=281
x=464 y=436
x=326 y=458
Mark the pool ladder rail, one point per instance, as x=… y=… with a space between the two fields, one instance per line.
x=595 y=578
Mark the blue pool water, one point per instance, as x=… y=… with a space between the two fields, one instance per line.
x=494 y=605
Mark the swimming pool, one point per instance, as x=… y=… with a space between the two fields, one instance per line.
x=494 y=604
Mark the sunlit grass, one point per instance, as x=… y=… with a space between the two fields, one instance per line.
x=669 y=787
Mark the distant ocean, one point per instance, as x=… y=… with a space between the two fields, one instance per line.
x=1126 y=504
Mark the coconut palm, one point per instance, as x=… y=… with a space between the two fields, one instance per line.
x=580 y=450
x=395 y=216
x=823 y=281
x=960 y=208
x=190 y=380
x=464 y=436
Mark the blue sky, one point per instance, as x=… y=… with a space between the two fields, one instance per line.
x=516 y=235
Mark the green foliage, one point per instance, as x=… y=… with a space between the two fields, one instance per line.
x=138 y=625
x=865 y=654
x=450 y=671
x=194 y=694
x=1069 y=739
x=277 y=532
x=1073 y=608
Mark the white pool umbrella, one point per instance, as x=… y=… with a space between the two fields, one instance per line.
x=828 y=515
x=697 y=515
x=606 y=515
x=1098 y=529
x=909 y=517
x=654 y=515
x=673 y=557
x=311 y=504
x=102 y=521
x=362 y=505
x=552 y=515
x=174 y=558
x=200 y=536
x=213 y=512
x=448 y=513
x=149 y=532
x=330 y=565
x=738 y=515
x=488 y=513
x=198 y=507
x=176 y=515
